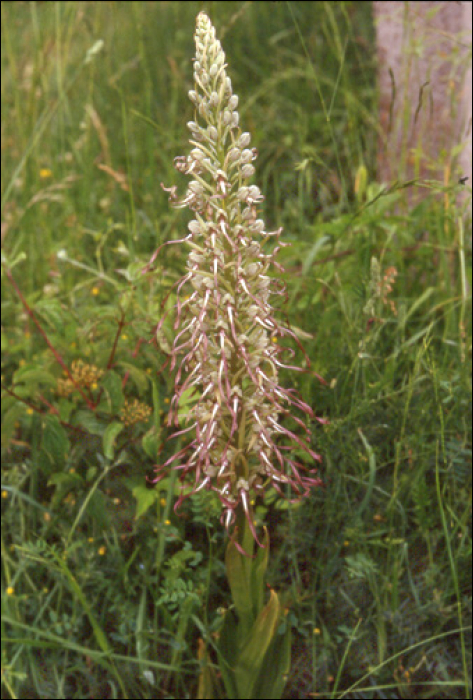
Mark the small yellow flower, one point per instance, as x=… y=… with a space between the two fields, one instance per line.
x=90 y=540
x=95 y=291
x=316 y=630
x=124 y=336
x=4 y=494
x=167 y=522
x=163 y=502
x=47 y=517
x=29 y=411
x=10 y=590
x=102 y=550
x=45 y=173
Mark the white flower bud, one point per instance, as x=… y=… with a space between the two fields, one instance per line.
x=264 y=282
x=234 y=155
x=252 y=269
x=244 y=140
x=247 y=171
x=232 y=103
x=195 y=187
x=254 y=193
x=204 y=109
x=257 y=226
x=194 y=227
x=195 y=258
x=212 y=134
x=197 y=154
x=196 y=281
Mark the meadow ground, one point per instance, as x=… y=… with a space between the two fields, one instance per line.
x=105 y=590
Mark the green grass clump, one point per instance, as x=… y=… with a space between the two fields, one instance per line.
x=105 y=591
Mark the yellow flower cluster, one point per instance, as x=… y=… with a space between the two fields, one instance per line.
x=134 y=412
x=84 y=375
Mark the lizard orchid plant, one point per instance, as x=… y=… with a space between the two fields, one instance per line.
x=246 y=431
x=227 y=346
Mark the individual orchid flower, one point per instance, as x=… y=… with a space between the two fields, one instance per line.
x=226 y=350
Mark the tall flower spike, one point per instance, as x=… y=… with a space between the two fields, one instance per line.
x=226 y=347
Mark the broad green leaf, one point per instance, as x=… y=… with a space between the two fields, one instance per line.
x=258 y=570
x=89 y=421
x=205 y=686
x=186 y=401
x=145 y=498
x=96 y=509
x=109 y=437
x=227 y=653
x=64 y=483
x=239 y=578
x=55 y=441
x=139 y=377
x=9 y=420
x=275 y=668
x=34 y=376
x=150 y=443
x=258 y=641
x=65 y=408
x=112 y=384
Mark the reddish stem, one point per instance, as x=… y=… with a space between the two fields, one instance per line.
x=52 y=409
x=42 y=332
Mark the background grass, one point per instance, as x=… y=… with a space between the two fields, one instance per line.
x=105 y=591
